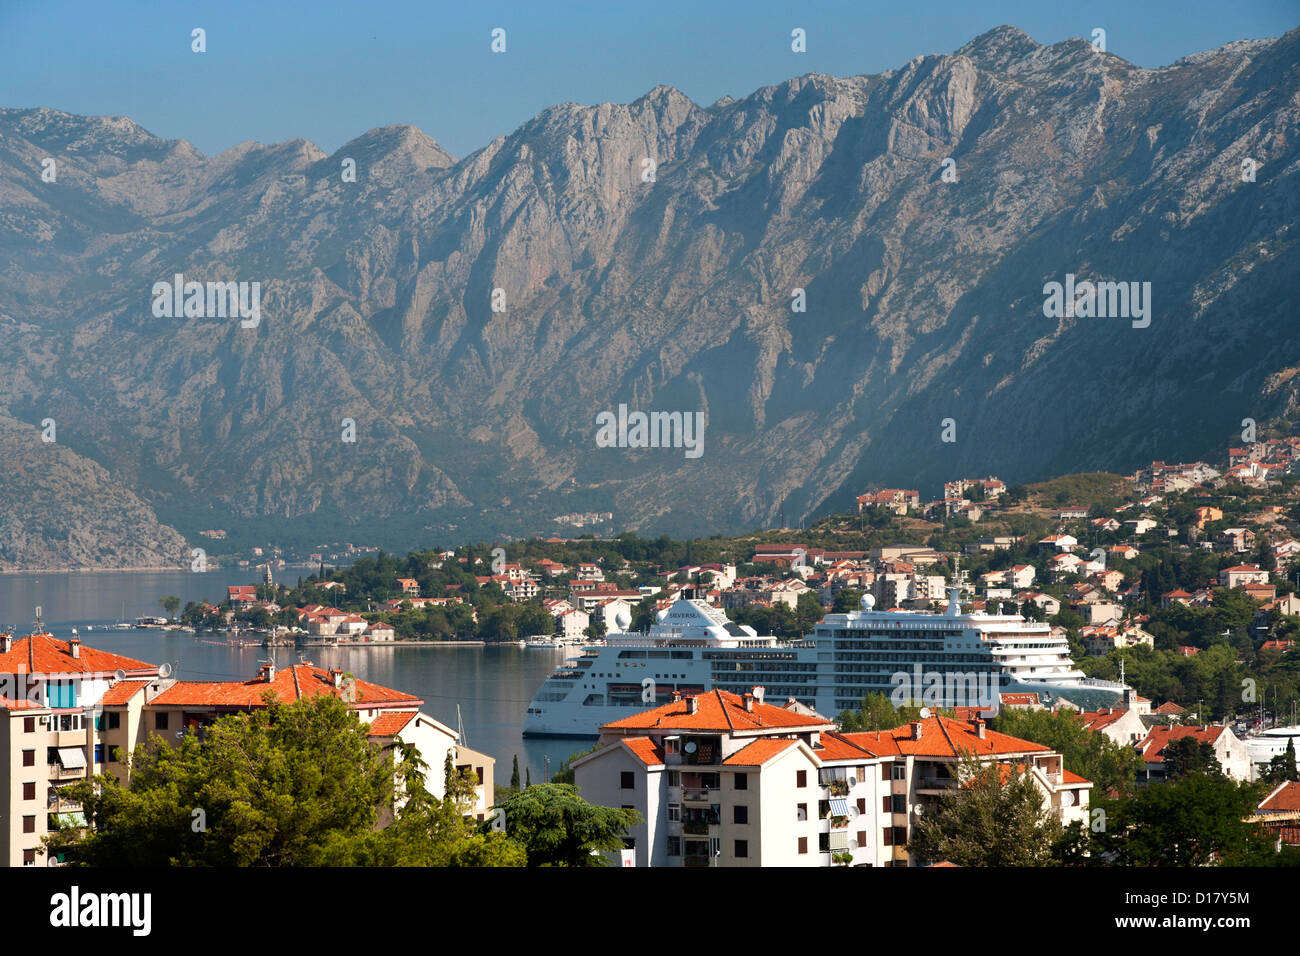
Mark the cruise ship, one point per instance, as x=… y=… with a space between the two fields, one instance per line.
x=941 y=659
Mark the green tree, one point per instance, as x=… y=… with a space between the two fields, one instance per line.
x=280 y=786
x=1281 y=768
x=1187 y=755
x=514 y=775
x=877 y=712
x=996 y=817
x=1193 y=821
x=171 y=604
x=558 y=828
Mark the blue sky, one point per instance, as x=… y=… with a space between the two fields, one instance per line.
x=329 y=70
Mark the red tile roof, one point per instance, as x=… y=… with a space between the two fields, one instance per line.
x=644 y=749
x=942 y=737
x=1284 y=799
x=759 y=752
x=1161 y=737
x=122 y=691
x=1069 y=776
x=834 y=746
x=43 y=654
x=7 y=703
x=390 y=724
x=292 y=683
x=718 y=710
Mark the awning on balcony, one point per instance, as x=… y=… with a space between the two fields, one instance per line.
x=839 y=840
x=839 y=807
x=75 y=818
x=72 y=758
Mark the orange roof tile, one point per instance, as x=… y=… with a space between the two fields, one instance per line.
x=122 y=691
x=644 y=749
x=8 y=703
x=1069 y=776
x=43 y=654
x=942 y=737
x=834 y=746
x=390 y=724
x=1158 y=738
x=717 y=710
x=759 y=752
x=291 y=683
x=1284 y=799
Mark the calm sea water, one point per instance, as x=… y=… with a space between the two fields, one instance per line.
x=492 y=685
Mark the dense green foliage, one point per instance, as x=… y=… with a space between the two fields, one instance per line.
x=558 y=828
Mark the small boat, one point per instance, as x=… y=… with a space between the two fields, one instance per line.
x=523 y=643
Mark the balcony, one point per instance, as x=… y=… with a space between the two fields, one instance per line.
x=59 y=772
x=696 y=795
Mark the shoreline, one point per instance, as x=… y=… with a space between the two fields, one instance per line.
x=211 y=567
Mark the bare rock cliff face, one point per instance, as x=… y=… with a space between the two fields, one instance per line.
x=647 y=254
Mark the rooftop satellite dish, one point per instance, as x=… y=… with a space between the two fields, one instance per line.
x=164 y=670
x=1067 y=799
x=853 y=782
x=119 y=674
x=925 y=712
x=868 y=602
x=918 y=810
x=691 y=747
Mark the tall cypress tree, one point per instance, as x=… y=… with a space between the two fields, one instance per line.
x=514 y=775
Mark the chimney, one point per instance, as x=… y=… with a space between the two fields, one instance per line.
x=916 y=730
x=74 y=646
x=677 y=695
x=692 y=705
x=979 y=728
x=749 y=703
x=6 y=643
x=269 y=670
x=336 y=676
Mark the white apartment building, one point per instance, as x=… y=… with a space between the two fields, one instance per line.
x=727 y=780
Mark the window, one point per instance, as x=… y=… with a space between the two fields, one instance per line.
x=627 y=780
x=862 y=838
x=674 y=778
x=889 y=836
x=29 y=791
x=740 y=814
x=899 y=803
x=671 y=745
x=900 y=836
x=742 y=849
x=29 y=857
x=803 y=844
x=900 y=771
x=742 y=781
x=674 y=811
x=99 y=753
x=801 y=778
x=29 y=758
x=823 y=809
x=823 y=843
x=478 y=772
x=884 y=771
x=674 y=846
x=160 y=720
x=29 y=725
x=114 y=721
x=801 y=812
x=884 y=804
x=29 y=824
x=862 y=804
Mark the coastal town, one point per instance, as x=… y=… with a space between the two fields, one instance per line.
x=1175 y=587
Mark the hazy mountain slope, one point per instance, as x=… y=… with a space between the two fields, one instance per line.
x=924 y=297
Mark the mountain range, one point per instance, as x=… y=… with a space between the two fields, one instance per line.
x=473 y=317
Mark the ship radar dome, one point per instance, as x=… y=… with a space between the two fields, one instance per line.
x=868 y=602
x=622 y=619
